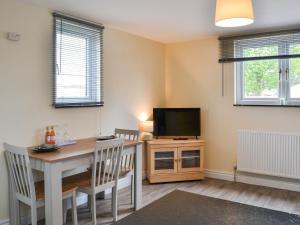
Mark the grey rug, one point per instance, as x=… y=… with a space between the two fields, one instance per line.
x=183 y=208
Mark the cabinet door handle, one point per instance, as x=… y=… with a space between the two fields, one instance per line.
x=287 y=73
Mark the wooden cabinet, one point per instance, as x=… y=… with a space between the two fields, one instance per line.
x=164 y=160
x=174 y=160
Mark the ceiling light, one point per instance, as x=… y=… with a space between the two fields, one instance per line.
x=234 y=13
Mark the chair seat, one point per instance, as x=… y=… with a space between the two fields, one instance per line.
x=125 y=173
x=67 y=188
x=82 y=180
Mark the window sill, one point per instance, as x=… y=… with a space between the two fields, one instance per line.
x=284 y=106
x=78 y=105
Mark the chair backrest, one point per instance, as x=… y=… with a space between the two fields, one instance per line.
x=127 y=160
x=106 y=166
x=132 y=135
x=20 y=172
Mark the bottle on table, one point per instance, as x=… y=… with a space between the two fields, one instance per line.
x=47 y=136
x=52 y=136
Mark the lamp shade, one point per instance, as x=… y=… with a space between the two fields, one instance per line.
x=234 y=13
x=147 y=126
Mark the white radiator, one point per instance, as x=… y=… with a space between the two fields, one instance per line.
x=269 y=153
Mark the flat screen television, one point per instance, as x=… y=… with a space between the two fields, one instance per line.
x=180 y=122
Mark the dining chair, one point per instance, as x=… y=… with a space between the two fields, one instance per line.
x=103 y=175
x=25 y=189
x=127 y=161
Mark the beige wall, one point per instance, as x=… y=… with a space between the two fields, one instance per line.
x=193 y=79
x=134 y=82
x=139 y=74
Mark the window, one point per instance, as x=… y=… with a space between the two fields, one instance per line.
x=267 y=67
x=78 y=78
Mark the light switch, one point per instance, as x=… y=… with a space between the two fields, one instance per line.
x=13 y=36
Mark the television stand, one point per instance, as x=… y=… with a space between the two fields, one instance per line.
x=171 y=160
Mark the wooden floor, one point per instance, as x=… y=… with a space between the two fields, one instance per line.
x=281 y=200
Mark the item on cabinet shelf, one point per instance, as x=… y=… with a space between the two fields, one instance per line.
x=175 y=160
x=177 y=122
x=180 y=139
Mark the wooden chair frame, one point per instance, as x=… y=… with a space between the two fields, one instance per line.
x=22 y=182
x=105 y=173
x=127 y=161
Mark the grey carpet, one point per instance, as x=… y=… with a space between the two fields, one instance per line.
x=183 y=208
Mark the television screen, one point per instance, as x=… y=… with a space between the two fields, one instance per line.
x=176 y=122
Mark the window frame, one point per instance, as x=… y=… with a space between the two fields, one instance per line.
x=93 y=48
x=283 y=98
x=289 y=100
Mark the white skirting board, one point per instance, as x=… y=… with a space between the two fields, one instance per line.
x=221 y=175
x=268 y=181
x=255 y=179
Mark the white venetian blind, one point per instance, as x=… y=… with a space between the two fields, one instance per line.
x=260 y=46
x=78 y=69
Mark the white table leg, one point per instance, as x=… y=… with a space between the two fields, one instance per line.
x=53 y=194
x=138 y=177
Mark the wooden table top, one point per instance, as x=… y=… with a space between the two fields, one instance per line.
x=80 y=148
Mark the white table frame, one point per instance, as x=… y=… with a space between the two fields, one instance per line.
x=53 y=173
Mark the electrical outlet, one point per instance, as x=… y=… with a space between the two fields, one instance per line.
x=13 y=36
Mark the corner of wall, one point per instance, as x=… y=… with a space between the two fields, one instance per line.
x=166 y=78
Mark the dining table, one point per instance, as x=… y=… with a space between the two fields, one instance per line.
x=66 y=159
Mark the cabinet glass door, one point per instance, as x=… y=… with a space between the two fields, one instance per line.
x=164 y=160
x=190 y=159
